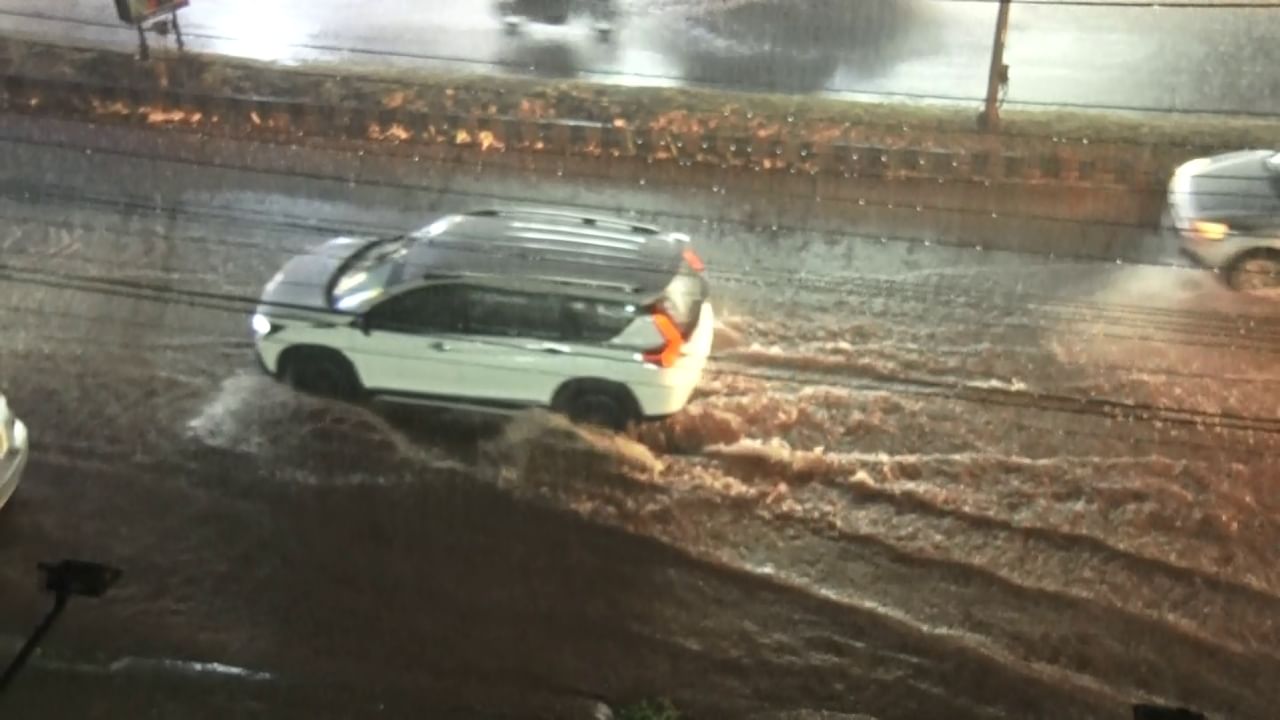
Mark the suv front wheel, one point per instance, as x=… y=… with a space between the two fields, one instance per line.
x=594 y=402
x=320 y=371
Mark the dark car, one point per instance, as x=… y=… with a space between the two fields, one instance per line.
x=1225 y=210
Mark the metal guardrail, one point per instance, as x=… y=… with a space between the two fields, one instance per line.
x=786 y=149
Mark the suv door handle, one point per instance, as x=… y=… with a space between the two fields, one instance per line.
x=440 y=345
x=549 y=347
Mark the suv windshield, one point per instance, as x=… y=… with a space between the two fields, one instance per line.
x=369 y=275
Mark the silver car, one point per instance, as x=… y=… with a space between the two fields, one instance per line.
x=1225 y=210
x=13 y=451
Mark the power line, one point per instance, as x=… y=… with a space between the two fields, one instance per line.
x=753 y=272
x=756 y=227
x=897 y=126
x=1185 y=323
x=245 y=344
x=607 y=73
x=1047 y=402
x=799 y=198
x=744 y=275
x=1172 y=441
x=1183 y=336
x=1180 y=442
x=932 y=128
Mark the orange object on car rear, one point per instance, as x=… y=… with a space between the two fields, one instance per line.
x=673 y=341
x=693 y=260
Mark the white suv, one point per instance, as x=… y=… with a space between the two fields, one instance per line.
x=602 y=319
x=13 y=451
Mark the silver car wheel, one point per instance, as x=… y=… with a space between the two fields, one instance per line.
x=1256 y=273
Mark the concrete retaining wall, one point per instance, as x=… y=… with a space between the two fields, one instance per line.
x=917 y=179
x=1000 y=200
x=791 y=147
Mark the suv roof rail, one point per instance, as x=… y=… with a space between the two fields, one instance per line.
x=432 y=276
x=585 y=219
x=576 y=282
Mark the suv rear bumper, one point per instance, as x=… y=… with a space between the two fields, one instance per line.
x=669 y=389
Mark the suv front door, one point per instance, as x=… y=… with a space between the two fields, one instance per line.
x=408 y=343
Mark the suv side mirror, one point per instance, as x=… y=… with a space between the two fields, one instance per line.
x=361 y=322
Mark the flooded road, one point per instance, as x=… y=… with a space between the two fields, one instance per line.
x=1203 y=58
x=935 y=483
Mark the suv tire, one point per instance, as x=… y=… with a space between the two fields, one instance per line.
x=322 y=372
x=594 y=402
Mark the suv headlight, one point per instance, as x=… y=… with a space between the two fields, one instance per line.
x=261 y=325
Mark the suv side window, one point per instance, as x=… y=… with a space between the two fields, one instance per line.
x=435 y=308
x=595 y=320
x=513 y=314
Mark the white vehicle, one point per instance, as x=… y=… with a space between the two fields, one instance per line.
x=604 y=320
x=13 y=451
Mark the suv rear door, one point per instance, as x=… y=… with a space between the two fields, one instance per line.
x=523 y=345
x=513 y=347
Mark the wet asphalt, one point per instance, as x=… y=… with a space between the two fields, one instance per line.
x=1159 y=58
x=967 y=483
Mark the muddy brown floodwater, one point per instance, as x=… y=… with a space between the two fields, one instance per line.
x=969 y=485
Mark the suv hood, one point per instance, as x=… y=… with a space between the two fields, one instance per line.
x=302 y=285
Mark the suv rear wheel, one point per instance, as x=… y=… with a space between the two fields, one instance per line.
x=318 y=371
x=597 y=403
x=1256 y=270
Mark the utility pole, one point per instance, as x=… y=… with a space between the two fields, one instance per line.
x=998 y=75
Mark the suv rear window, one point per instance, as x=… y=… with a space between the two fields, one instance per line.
x=595 y=320
x=547 y=316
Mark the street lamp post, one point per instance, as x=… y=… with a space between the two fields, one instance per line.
x=998 y=75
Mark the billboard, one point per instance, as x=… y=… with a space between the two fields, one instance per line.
x=136 y=12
